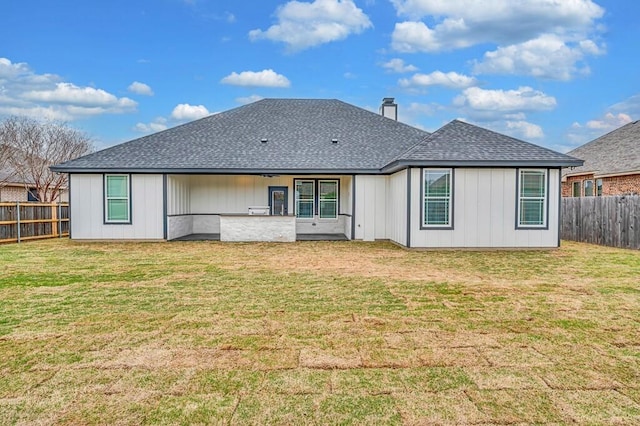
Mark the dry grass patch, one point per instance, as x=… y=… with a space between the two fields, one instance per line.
x=509 y=406
x=316 y=333
x=440 y=408
x=501 y=378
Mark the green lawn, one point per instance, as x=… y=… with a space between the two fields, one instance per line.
x=317 y=333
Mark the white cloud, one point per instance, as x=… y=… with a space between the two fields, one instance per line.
x=302 y=25
x=23 y=92
x=397 y=65
x=547 y=56
x=186 y=112
x=264 y=78
x=49 y=113
x=450 y=80
x=522 y=99
x=180 y=114
x=9 y=70
x=157 y=125
x=414 y=114
x=411 y=37
x=609 y=122
x=69 y=93
x=570 y=12
x=524 y=130
x=140 y=88
x=559 y=33
x=249 y=99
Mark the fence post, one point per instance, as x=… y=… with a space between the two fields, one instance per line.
x=54 y=220
x=18 y=220
x=59 y=220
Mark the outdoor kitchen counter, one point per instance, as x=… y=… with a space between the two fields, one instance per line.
x=245 y=227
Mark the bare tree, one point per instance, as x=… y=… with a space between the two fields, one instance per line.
x=31 y=146
x=5 y=173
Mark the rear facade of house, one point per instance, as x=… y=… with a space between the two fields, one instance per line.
x=287 y=169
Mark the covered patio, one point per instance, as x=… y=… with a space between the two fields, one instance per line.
x=261 y=207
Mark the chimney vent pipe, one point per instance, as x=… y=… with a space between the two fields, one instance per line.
x=389 y=108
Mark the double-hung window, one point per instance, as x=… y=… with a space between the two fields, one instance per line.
x=532 y=199
x=117 y=199
x=316 y=197
x=328 y=199
x=588 y=188
x=576 y=191
x=305 y=198
x=436 y=201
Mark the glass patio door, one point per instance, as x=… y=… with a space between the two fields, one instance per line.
x=278 y=201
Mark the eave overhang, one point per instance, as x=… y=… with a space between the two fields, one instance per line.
x=214 y=171
x=403 y=164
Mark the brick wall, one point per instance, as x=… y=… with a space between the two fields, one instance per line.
x=13 y=193
x=19 y=193
x=621 y=185
x=614 y=185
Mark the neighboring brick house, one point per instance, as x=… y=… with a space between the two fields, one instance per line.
x=611 y=165
x=11 y=189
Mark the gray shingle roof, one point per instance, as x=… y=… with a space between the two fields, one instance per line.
x=459 y=143
x=616 y=152
x=299 y=135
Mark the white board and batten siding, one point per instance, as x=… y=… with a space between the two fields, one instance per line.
x=228 y=194
x=87 y=209
x=484 y=212
x=397 y=208
x=179 y=222
x=381 y=207
x=371 y=207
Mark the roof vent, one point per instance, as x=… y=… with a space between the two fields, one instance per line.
x=264 y=140
x=334 y=140
x=389 y=108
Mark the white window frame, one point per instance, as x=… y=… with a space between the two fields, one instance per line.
x=448 y=199
x=576 y=184
x=586 y=184
x=297 y=199
x=316 y=199
x=545 y=200
x=321 y=200
x=107 y=198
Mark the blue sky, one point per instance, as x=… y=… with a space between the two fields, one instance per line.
x=553 y=72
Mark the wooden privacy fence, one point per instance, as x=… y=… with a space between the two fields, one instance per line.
x=22 y=221
x=610 y=221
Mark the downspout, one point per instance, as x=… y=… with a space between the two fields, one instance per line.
x=69 y=203
x=559 y=205
x=408 y=207
x=353 y=207
x=165 y=224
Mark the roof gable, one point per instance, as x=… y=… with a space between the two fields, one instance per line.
x=614 y=153
x=460 y=143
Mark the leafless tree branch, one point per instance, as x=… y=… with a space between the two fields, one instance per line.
x=31 y=146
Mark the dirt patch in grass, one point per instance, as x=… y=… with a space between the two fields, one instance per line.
x=317 y=333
